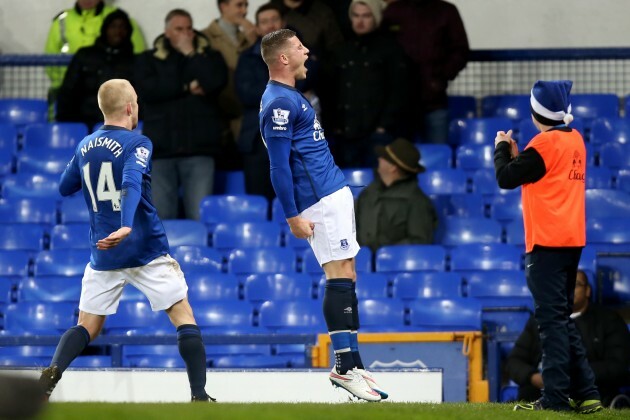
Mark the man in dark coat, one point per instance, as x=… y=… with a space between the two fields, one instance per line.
x=111 y=57
x=179 y=81
x=371 y=80
x=606 y=339
x=393 y=210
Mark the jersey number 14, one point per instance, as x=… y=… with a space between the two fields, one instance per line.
x=105 y=187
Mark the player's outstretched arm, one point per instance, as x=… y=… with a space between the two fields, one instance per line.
x=113 y=239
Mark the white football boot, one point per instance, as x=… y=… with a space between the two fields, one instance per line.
x=354 y=383
x=369 y=379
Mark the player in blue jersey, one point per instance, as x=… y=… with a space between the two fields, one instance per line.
x=316 y=200
x=112 y=167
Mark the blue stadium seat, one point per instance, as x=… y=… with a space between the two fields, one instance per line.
x=484 y=182
x=515 y=233
x=227 y=236
x=598 y=177
x=198 y=258
x=233 y=208
x=471 y=157
x=501 y=315
x=277 y=214
x=401 y=258
x=62 y=262
x=468 y=230
x=445 y=315
x=527 y=131
x=514 y=107
x=22 y=236
x=477 y=130
x=20 y=112
x=473 y=257
x=74 y=210
x=225 y=317
x=92 y=362
x=212 y=351
x=460 y=205
x=244 y=361
x=43 y=161
x=358 y=179
x=137 y=318
x=31 y=356
x=462 y=107
x=53 y=136
x=443 y=181
x=6 y=287
x=185 y=232
x=622 y=180
x=43 y=318
x=607 y=203
x=300 y=317
x=381 y=315
x=589 y=106
x=615 y=155
x=411 y=286
x=610 y=130
x=506 y=207
x=14 y=264
x=299 y=245
x=203 y=286
x=588 y=260
x=261 y=260
x=363 y=262
x=73 y=236
x=131 y=293
x=25 y=185
x=435 y=156
x=152 y=356
x=8 y=137
x=229 y=182
x=262 y=287
x=612 y=230
x=50 y=289
x=489 y=284
x=369 y=286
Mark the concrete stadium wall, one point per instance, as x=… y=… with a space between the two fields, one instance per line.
x=491 y=24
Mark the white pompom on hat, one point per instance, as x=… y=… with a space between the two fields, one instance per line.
x=550 y=103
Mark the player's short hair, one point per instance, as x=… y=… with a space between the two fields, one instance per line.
x=266 y=7
x=113 y=96
x=175 y=13
x=273 y=42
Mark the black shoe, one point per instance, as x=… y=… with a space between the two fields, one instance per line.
x=203 y=398
x=48 y=379
x=533 y=406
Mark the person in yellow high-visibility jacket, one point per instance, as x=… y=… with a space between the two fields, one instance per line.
x=79 y=27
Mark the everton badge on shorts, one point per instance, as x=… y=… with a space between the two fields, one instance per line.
x=280 y=116
x=344 y=244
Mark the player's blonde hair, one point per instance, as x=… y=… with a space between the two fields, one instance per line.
x=273 y=42
x=113 y=97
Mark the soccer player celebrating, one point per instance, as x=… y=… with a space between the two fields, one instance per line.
x=112 y=166
x=316 y=200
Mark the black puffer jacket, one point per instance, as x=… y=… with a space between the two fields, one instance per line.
x=178 y=122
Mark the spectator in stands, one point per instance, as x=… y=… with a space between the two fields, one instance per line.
x=231 y=34
x=179 y=81
x=111 y=57
x=251 y=79
x=370 y=78
x=127 y=239
x=554 y=219
x=606 y=339
x=393 y=210
x=433 y=37
x=79 y=27
x=340 y=10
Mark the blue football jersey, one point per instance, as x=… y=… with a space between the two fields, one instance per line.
x=109 y=165
x=302 y=168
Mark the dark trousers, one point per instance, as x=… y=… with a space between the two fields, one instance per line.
x=551 y=274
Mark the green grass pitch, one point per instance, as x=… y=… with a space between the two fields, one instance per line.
x=359 y=411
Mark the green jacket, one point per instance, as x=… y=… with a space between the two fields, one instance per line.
x=398 y=214
x=74 y=28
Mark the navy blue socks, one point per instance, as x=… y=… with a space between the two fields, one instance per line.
x=194 y=354
x=71 y=344
x=337 y=307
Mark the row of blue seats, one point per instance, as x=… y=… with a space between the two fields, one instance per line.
x=245 y=261
x=469 y=226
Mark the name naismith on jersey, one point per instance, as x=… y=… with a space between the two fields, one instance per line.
x=106 y=142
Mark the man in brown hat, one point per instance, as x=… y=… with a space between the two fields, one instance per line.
x=393 y=210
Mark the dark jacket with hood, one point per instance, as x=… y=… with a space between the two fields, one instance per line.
x=89 y=69
x=394 y=215
x=179 y=123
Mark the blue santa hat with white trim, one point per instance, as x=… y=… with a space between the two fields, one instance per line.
x=550 y=102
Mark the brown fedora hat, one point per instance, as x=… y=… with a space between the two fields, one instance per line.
x=402 y=153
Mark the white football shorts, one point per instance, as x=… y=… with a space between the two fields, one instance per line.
x=335 y=234
x=161 y=281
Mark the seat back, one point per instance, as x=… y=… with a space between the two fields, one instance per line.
x=46 y=318
x=185 y=232
x=227 y=236
x=262 y=287
x=261 y=260
x=298 y=316
x=607 y=130
x=20 y=112
x=401 y=258
x=22 y=236
x=443 y=181
x=468 y=230
x=445 y=315
x=435 y=156
x=607 y=203
x=514 y=107
x=73 y=236
x=54 y=136
x=61 y=262
x=50 y=289
x=474 y=257
x=381 y=315
x=197 y=258
x=443 y=285
x=462 y=107
x=74 y=210
x=137 y=318
x=233 y=208
x=28 y=185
